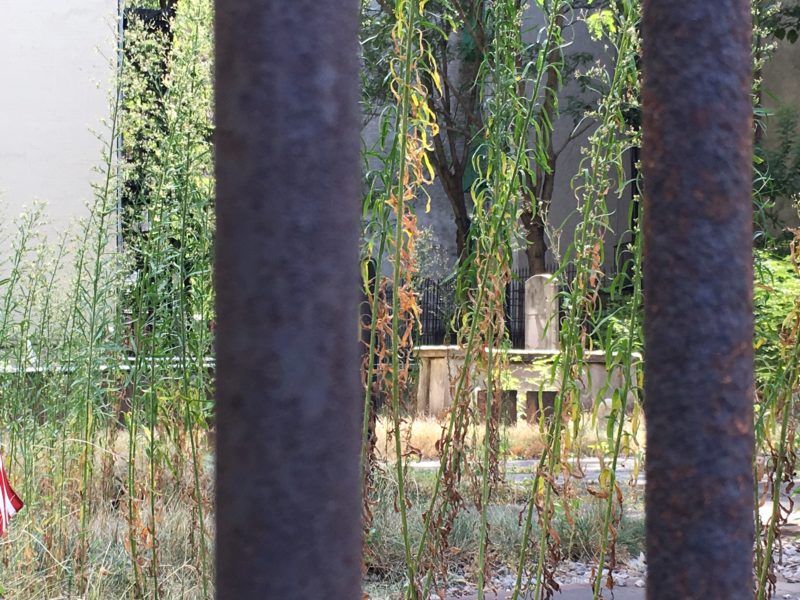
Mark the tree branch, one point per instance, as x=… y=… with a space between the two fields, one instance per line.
x=480 y=35
x=576 y=133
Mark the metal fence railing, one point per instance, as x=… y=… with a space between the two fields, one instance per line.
x=437 y=303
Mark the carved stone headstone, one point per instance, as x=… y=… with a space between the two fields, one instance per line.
x=541 y=313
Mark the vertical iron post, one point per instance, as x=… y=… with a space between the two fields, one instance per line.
x=288 y=397
x=699 y=392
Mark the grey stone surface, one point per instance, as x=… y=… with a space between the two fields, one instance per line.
x=579 y=592
x=541 y=313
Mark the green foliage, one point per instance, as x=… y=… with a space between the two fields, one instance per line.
x=601 y=23
x=113 y=350
x=613 y=321
x=167 y=123
x=508 y=149
x=777 y=288
x=783 y=19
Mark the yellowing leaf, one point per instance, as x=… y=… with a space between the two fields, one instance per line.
x=437 y=81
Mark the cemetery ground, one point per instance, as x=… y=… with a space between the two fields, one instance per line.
x=36 y=554
x=578 y=529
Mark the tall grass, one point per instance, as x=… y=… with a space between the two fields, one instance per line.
x=106 y=353
x=514 y=93
x=514 y=131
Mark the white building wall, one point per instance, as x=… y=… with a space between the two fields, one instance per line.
x=57 y=59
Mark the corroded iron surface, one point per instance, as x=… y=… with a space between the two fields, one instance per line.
x=288 y=397
x=697 y=158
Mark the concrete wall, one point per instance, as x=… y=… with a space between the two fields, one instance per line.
x=781 y=87
x=57 y=58
x=563 y=216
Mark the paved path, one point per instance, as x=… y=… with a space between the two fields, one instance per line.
x=790 y=591
x=524 y=470
x=521 y=470
x=570 y=593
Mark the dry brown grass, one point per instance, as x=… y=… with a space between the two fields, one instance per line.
x=520 y=441
x=422 y=434
x=40 y=553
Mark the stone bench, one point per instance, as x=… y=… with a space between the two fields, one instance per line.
x=530 y=379
x=529 y=372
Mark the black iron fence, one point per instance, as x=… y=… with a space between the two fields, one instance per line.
x=515 y=309
x=437 y=301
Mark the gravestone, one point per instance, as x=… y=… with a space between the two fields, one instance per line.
x=541 y=313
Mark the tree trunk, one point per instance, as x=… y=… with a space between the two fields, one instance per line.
x=536 y=207
x=462 y=235
x=535 y=247
x=539 y=194
x=451 y=183
x=459 y=112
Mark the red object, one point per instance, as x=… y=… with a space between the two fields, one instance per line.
x=10 y=503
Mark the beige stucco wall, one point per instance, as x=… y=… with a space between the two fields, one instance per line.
x=782 y=76
x=56 y=59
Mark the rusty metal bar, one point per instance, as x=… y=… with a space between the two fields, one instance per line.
x=697 y=157
x=288 y=397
